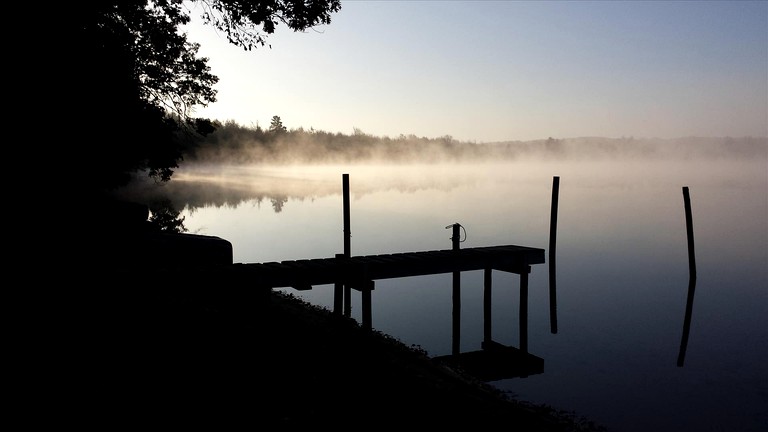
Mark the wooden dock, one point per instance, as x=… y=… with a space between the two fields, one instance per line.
x=347 y=272
x=359 y=271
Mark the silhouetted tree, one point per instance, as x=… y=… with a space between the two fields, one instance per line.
x=276 y=126
x=135 y=79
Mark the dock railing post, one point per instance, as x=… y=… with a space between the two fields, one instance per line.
x=455 y=240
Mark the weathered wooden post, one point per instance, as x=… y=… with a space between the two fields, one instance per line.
x=552 y=246
x=347 y=234
x=487 y=305
x=691 y=277
x=366 y=289
x=524 y=310
x=455 y=240
x=338 y=293
x=347 y=242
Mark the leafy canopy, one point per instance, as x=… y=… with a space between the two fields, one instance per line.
x=240 y=20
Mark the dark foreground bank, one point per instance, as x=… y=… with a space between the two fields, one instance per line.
x=183 y=356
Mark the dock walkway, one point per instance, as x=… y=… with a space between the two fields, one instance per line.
x=360 y=270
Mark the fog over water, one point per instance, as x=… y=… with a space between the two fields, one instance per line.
x=299 y=168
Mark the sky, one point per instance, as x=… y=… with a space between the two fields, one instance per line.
x=488 y=71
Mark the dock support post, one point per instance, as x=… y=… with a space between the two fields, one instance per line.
x=552 y=245
x=338 y=293
x=366 y=289
x=456 y=349
x=524 y=310
x=347 y=241
x=347 y=301
x=487 y=293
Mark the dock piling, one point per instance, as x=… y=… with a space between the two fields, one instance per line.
x=524 y=312
x=338 y=293
x=487 y=305
x=366 y=289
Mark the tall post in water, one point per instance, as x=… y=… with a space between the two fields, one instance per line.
x=691 y=277
x=552 y=255
x=347 y=234
x=347 y=241
x=455 y=240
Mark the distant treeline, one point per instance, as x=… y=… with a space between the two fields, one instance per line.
x=233 y=143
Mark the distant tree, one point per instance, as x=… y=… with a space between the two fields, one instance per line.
x=276 y=126
x=554 y=146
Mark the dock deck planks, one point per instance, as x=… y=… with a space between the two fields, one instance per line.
x=356 y=269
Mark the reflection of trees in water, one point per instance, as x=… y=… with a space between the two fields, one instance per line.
x=277 y=203
x=192 y=195
x=232 y=191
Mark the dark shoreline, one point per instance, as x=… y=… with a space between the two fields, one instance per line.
x=174 y=352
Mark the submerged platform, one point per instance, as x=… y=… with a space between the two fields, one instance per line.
x=495 y=362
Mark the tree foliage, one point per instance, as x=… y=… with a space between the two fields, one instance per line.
x=240 y=20
x=132 y=79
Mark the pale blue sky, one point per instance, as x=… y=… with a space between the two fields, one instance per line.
x=506 y=70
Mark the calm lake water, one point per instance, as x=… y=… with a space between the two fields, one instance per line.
x=622 y=270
